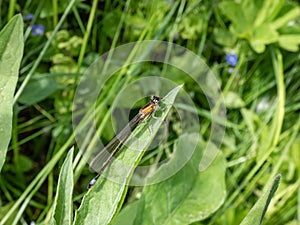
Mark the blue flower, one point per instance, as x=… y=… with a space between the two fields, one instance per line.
x=37 y=29
x=231 y=70
x=28 y=16
x=231 y=59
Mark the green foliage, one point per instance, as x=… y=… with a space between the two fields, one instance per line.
x=258 y=212
x=175 y=202
x=11 y=51
x=38 y=90
x=262 y=23
x=64 y=48
x=104 y=190
x=42 y=182
x=62 y=213
x=190 y=27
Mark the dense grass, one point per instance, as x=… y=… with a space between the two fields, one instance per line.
x=229 y=116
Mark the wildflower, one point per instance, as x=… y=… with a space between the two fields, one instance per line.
x=38 y=29
x=231 y=59
x=231 y=70
x=28 y=16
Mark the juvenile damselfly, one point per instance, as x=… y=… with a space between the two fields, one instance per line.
x=106 y=155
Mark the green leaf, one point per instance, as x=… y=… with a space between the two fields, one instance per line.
x=190 y=27
x=128 y=214
x=233 y=11
x=288 y=16
x=63 y=199
x=189 y=195
x=290 y=42
x=11 y=51
x=259 y=22
x=105 y=198
x=257 y=213
x=25 y=163
x=267 y=10
x=37 y=90
x=241 y=15
x=224 y=37
x=262 y=36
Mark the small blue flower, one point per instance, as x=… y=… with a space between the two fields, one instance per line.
x=37 y=29
x=231 y=70
x=231 y=59
x=28 y=16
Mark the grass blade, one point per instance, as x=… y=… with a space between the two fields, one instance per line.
x=258 y=211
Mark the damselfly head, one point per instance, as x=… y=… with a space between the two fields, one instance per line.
x=155 y=100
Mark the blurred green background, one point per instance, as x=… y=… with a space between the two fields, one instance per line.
x=252 y=48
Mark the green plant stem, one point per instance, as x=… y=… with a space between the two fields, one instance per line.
x=55 y=13
x=87 y=34
x=279 y=116
x=11 y=9
x=79 y=20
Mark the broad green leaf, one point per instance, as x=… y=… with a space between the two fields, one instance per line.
x=105 y=198
x=128 y=214
x=242 y=15
x=189 y=195
x=251 y=9
x=37 y=90
x=233 y=11
x=259 y=22
x=290 y=42
x=257 y=213
x=11 y=51
x=224 y=37
x=63 y=199
x=262 y=36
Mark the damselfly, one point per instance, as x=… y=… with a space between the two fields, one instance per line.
x=106 y=155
